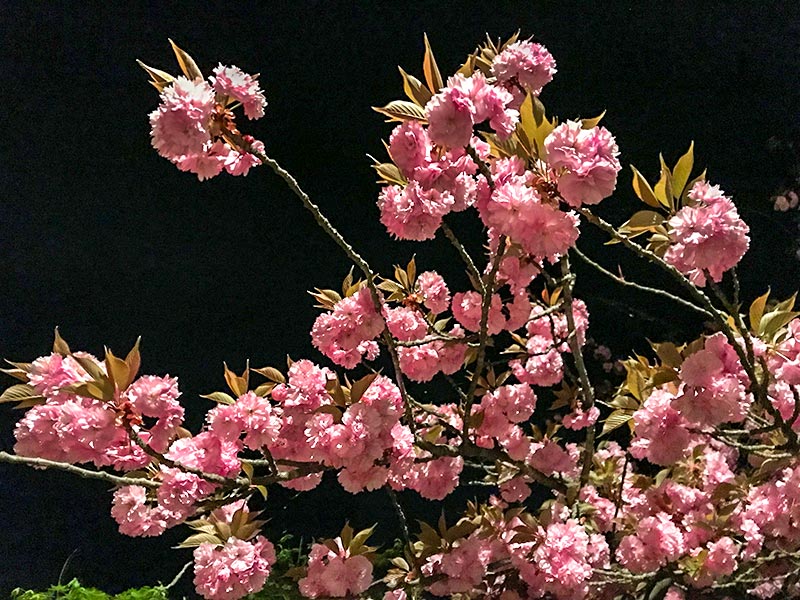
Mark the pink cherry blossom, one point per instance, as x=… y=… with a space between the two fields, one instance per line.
x=233 y=82
x=180 y=124
x=234 y=569
x=707 y=238
x=335 y=574
x=436 y=296
x=413 y=212
x=344 y=334
x=526 y=63
x=585 y=160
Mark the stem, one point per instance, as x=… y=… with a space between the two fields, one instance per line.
x=177 y=577
x=462 y=251
x=401 y=516
x=43 y=463
x=483 y=336
x=586 y=389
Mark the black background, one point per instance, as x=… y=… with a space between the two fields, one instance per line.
x=105 y=239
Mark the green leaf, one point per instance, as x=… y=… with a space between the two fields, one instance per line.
x=402 y=110
x=757 y=311
x=683 y=168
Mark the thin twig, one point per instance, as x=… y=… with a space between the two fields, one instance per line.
x=639 y=286
x=462 y=251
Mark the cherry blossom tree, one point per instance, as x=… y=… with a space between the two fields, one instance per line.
x=682 y=481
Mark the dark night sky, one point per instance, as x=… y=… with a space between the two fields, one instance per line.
x=105 y=239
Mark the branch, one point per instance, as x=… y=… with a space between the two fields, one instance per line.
x=462 y=251
x=587 y=391
x=640 y=287
x=43 y=463
x=483 y=336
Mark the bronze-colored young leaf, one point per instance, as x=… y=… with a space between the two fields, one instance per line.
x=20 y=370
x=20 y=392
x=200 y=538
x=359 y=387
x=616 y=419
x=682 y=171
x=432 y=75
x=271 y=373
x=158 y=79
x=358 y=543
x=644 y=220
x=402 y=110
x=219 y=397
x=237 y=384
x=389 y=174
x=643 y=190
x=59 y=345
x=415 y=89
x=593 y=122
x=186 y=62
x=411 y=269
x=663 y=187
x=117 y=370
x=326 y=299
x=134 y=361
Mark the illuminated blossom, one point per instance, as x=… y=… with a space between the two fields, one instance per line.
x=707 y=238
x=233 y=82
x=585 y=160
x=526 y=63
x=234 y=569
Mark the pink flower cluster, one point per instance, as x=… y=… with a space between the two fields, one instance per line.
x=524 y=64
x=346 y=333
x=421 y=362
x=708 y=237
x=335 y=573
x=72 y=428
x=585 y=161
x=547 y=339
x=438 y=183
x=515 y=209
x=234 y=569
x=189 y=126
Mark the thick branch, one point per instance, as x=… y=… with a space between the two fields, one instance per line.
x=586 y=389
x=43 y=463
